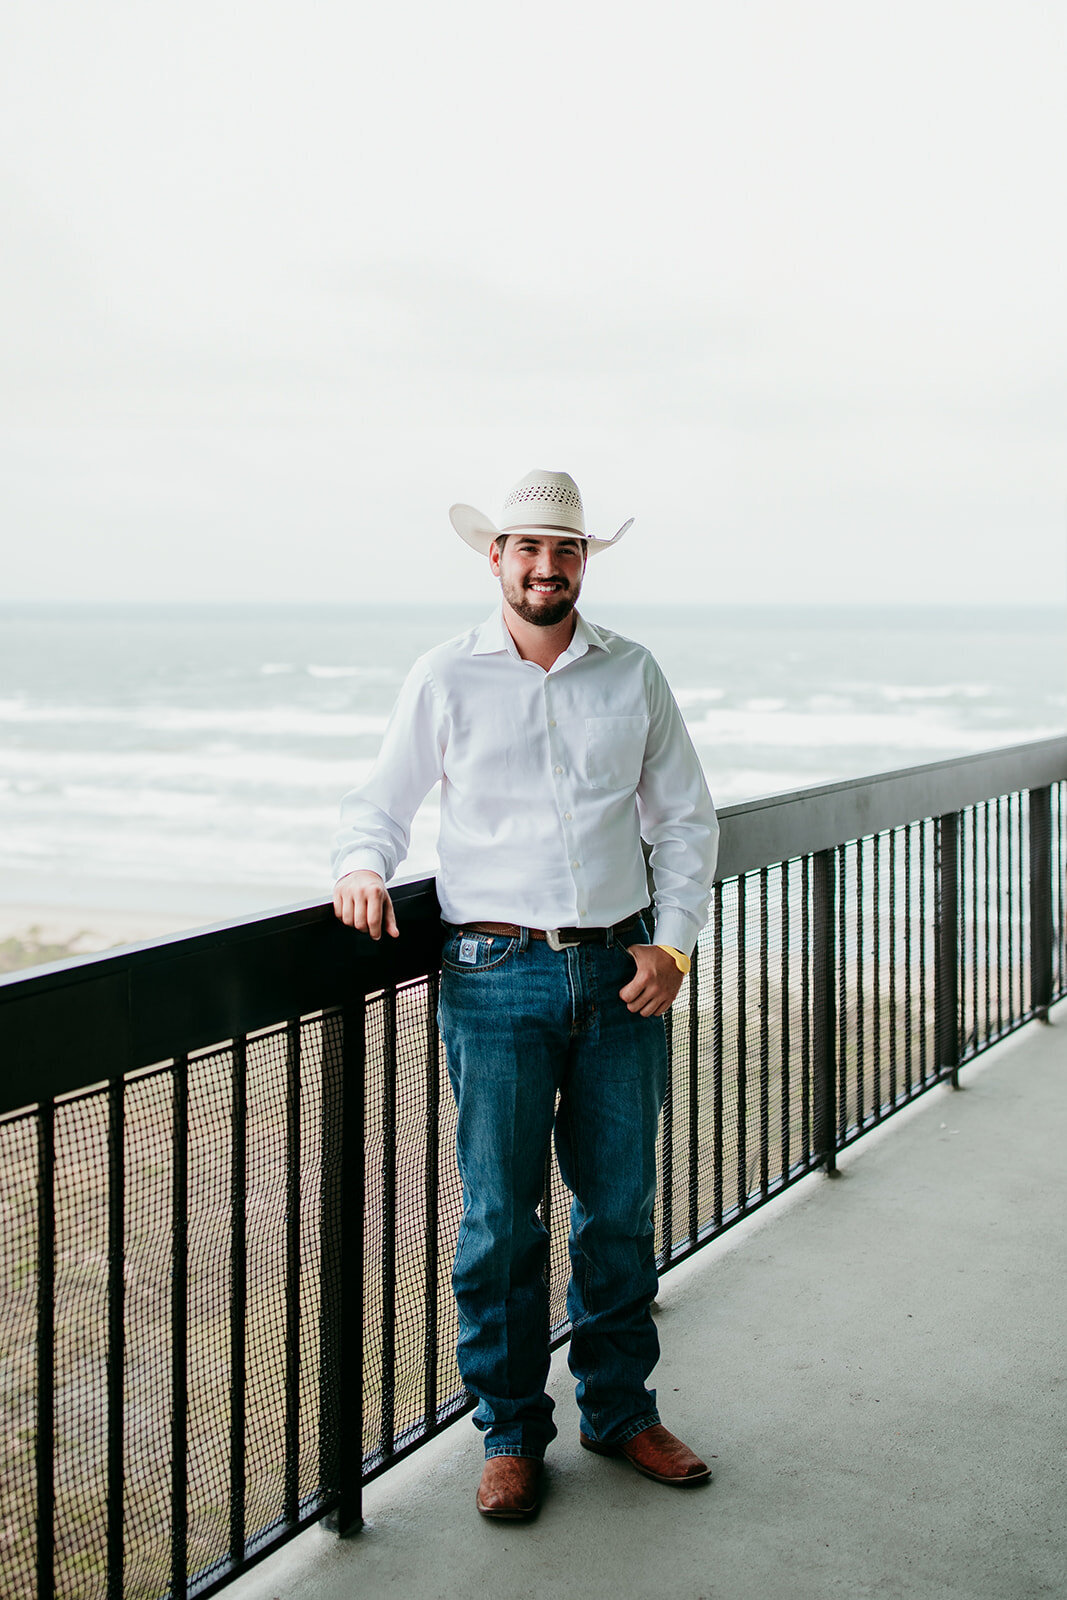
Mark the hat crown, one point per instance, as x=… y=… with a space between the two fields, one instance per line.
x=544 y=499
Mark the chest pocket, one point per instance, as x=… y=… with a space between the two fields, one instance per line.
x=615 y=751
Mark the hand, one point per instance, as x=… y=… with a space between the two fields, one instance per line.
x=653 y=990
x=362 y=901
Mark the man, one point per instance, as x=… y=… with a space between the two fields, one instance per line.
x=558 y=746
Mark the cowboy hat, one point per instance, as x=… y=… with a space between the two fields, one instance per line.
x=542 y=502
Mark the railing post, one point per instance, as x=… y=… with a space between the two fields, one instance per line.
x=1042 y=934
x=341 y=1327
x=824 y=1014
x=947 y=956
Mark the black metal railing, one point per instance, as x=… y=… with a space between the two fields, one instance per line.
x=226 y=1181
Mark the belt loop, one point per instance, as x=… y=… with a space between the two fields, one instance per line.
x=524 y=939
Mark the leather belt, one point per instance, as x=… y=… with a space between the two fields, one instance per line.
x=557 y=938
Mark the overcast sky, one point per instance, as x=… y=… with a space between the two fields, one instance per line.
x=782 y=279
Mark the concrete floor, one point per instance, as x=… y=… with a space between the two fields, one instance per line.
x=875 y=1366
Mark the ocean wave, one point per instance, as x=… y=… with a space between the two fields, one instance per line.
x=292 y=721
x=220 y=769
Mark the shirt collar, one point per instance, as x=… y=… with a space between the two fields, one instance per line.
x=493 y=638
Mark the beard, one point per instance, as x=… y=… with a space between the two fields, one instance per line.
x=543 y=610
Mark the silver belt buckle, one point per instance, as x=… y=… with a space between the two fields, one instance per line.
x=553 y=940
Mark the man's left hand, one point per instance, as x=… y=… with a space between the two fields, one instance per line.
x=654 y=988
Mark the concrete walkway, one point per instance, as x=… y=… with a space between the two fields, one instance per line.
x=877 y=1365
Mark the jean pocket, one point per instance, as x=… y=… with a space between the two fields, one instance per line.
x=476 y=952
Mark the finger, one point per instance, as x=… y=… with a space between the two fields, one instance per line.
x=374 y=916
x=338 y=904
x=390 y=919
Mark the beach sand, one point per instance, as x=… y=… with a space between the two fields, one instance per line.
x=52 y=920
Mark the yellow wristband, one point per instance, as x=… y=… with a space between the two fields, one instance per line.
x=683 y=963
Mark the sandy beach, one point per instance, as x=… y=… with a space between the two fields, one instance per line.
x=49 y=926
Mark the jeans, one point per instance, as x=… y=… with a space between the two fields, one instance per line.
x=522 y=1022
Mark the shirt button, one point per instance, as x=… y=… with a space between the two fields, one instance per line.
x=575 y=863
x=559 y=770
x=567 y=816
x=552 y=722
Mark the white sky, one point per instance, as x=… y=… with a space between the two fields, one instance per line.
x=782 y=279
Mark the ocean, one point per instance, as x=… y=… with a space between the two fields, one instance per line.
x=193 y=757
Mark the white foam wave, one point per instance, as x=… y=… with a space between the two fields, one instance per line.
x=292 y=721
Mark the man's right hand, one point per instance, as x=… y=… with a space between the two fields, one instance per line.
x=362 y=901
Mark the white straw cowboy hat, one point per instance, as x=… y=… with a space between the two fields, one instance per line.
x=542 y=502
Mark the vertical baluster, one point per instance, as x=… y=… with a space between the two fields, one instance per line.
x=116 y=1334
x=824 y=1029
x=178 y=1327
x=46 y=1333
x=291 y=1490
x=974 y=1027
x=861 y=997
x=805 y=1008
x=343 y=1271
x=842 y=986
x=786 y=1042
x=923 y=936
x=1011 y=909
x=987 y=895
x=716 y=1056
x=238 y=1293
x=876 y=981
x=908 y=1075
x=892 y=967
x=742 y=1035
x=388 y=1432
x=764 y=1040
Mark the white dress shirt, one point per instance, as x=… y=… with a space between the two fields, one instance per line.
x=549 y=781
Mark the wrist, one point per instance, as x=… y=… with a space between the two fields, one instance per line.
x=682 y=962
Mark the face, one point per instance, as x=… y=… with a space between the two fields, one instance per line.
x=541 y=575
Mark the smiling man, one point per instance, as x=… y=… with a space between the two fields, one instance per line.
x=558 y=746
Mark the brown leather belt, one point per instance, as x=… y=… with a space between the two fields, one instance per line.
x=558 y=938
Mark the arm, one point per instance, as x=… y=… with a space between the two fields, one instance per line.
x=376 y=818
x=678 y=820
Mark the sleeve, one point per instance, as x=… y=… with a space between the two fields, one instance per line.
x=376 y=817
x=678 y=821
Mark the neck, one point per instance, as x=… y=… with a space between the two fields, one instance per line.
x=542 y=646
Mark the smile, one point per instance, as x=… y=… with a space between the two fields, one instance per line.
x=544 y=588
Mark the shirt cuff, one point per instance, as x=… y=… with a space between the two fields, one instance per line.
x=675 y=928
x=361 y=861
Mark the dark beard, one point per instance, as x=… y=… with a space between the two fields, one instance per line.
x=548 y=613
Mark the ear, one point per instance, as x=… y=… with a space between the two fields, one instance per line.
x=494 y=559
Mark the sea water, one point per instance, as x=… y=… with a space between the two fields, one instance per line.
x=160 y=754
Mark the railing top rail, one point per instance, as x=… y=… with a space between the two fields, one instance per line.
x=779 y=827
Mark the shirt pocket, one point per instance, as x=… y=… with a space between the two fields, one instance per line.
x=615 y=751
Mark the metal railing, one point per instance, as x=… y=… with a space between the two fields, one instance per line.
x=226 y=1181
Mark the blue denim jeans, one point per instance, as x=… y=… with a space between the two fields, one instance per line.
x=522 y=1022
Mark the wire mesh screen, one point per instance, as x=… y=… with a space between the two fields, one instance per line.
x=262 y=1433
x=886 y=1001
x=994 y=920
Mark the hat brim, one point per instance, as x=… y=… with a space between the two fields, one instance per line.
x=475 y=529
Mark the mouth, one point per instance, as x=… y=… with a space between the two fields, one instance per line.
x=549 y=586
